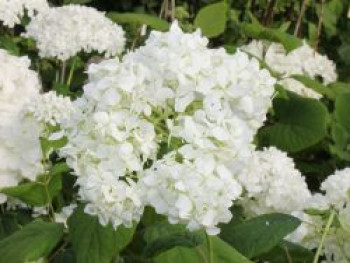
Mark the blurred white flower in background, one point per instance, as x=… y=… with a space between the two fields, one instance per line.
x=20 y=152
x=273 y=184
x=300 y=61
x=12 y=11
x=62 y=32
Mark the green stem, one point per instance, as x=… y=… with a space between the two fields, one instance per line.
x=71 y=72
x=63 y=71
x=210 y=249
x=300 y=17
x=324 y=235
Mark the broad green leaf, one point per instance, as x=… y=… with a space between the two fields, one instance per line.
x=211 y=19
x=288 y=252
x=94 y=243
x=260 y=234
x=66 y=256
x=342 y=111
x=300 y=123
x=42 y=191
x=8 y=224
x=183 y=255
x=141 y=19
x=163 y=236
x=222 y=253
x=339 y=87
x=33 y=241
x=315 y=85
x=256 y=31
x=341 y=127
x=331 y=12
x=9 y=44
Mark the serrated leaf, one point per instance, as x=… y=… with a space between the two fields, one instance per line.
x=33 y=241
x=94 y=243
x=300 y=123
x=141 y=19
x=260 y=234
x=211 y=19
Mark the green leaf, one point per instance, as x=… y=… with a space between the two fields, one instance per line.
x=141 y=19
x=341 y=127
x=342 y=111
x=339 y=87
x=211 y=19
x=181 y=254
x=300 y=123
x=94 y=243
x=66 y=256
x=33 y=241
x=260 y=234
x=163 y=236
x=42 y=191
x=8 y=224
x=9 y=44
x=275 y=35
x=222 y=253
x=288 y=252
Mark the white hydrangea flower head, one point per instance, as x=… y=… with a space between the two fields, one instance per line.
x=273 y=184
x=12 y=11
x=336 y=196
x=62 y=32
x=197 y=192
x=300 y=61
x=20 y=151
x=337 y=188
x=106 y=140
x=207 y=99
x=50 y=108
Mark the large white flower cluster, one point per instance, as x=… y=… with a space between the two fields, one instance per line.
x=336 y=196
x=300 y=61
x=20 y=152
x=198 y=191
x=172 y=89
x=62 y=32
x=11 y=11
x=273 y=184
x=50 y=108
